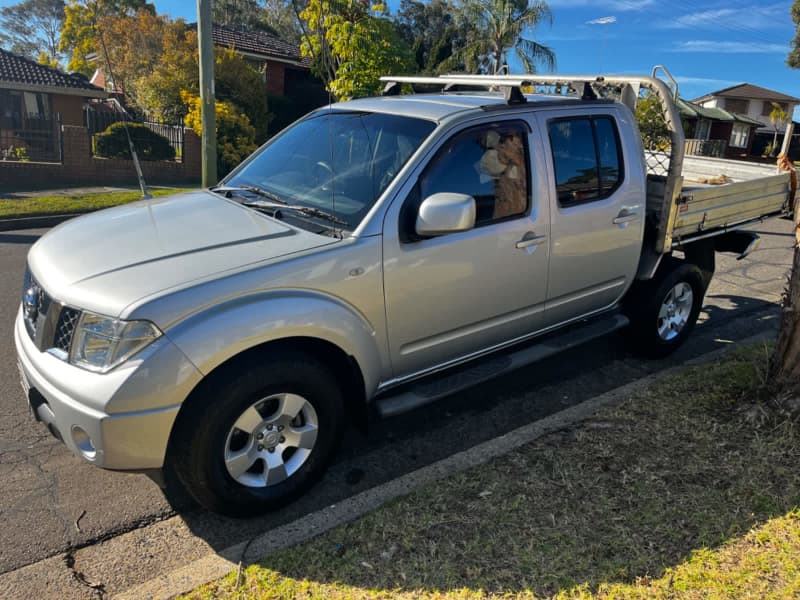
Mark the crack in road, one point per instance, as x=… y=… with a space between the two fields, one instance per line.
x=80 y=577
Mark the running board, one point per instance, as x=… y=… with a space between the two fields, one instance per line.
x=435 y=387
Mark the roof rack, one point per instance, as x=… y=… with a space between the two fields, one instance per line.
x=509 y=84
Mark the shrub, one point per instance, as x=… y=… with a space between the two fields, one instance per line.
x=113 y=143
x=236 y=136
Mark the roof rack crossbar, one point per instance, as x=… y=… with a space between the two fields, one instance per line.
x=510 y=86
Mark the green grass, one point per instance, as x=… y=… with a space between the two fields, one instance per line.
x=68 y=204
x=672 y=494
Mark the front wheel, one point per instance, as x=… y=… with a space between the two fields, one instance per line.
x=258 y=434
x=663 y=311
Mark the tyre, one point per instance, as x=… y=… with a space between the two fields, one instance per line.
x=258 y=433
x=664 y=310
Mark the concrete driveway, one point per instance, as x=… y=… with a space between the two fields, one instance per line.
x=51 y=502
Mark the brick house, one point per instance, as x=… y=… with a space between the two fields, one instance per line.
x=280 y=61
x=34 y=99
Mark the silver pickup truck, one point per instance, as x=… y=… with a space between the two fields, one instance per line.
x=375 y=256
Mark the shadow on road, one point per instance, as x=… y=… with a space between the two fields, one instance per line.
x=18 y=238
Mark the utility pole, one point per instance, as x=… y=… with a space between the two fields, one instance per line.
x=207 y=114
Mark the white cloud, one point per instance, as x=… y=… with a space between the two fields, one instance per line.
x=602 y=21
x=729 y=47
x=745 y=18
x=618 y=5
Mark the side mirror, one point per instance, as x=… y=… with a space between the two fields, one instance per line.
x=444 y=213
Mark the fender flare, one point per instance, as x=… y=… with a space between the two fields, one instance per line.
x=220 y=332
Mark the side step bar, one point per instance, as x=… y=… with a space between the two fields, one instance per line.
x=433 y=388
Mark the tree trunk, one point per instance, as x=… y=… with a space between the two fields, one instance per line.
x=785 y=361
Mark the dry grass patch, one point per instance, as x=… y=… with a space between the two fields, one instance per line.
x=672 y=493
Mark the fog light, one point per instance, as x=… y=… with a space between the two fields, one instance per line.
x=83 y=442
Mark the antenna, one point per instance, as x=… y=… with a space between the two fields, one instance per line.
x=134 y=156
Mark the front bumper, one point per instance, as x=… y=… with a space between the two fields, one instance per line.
x=127 y=414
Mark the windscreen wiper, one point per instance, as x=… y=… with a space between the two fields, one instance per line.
x=276 y=207
x=252 y=189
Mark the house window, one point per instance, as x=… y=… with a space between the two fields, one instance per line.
x=740 y=135
x=703 y=129
x=17 y=107
x=768 y=106
x=737 y=105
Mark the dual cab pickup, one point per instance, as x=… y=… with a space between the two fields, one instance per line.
x=376 y=255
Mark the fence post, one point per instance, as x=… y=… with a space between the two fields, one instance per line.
x=60 y=135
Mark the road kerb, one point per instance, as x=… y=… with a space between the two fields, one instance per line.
x=216 y=565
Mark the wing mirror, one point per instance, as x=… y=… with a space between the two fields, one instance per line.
x=444 y=213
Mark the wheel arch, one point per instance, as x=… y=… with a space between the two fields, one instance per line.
x=344 y=367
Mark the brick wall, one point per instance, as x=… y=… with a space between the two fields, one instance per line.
x=276 y=74
x=69 y=107
x=78 y=166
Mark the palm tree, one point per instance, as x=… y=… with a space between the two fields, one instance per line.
x=777 y=117
x=498 y=27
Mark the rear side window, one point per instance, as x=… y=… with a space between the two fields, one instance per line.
x=586 y=157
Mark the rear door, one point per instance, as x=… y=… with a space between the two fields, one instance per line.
x=597 y=192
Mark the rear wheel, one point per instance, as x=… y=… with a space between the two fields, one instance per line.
x=258 y=434
x=664 y=310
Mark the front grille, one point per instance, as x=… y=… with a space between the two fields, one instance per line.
x=65 y=327
x=50 y=324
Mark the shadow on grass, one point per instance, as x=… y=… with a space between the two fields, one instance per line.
x=628 y=494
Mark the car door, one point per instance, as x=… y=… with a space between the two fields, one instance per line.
x=597 y=195
x=458 y=294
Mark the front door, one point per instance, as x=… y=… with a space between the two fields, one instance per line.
x=455 y=295
x=597 y=216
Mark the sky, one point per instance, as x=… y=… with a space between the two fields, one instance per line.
x=707 y=44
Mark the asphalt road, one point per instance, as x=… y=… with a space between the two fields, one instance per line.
x=51 y=502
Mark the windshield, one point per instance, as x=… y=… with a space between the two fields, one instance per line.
x=340 y=162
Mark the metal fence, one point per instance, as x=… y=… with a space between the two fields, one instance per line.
x=99 y=121
x=31 y=139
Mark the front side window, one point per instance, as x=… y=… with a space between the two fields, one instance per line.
x=336 y=161
x=586 y=158
x=489 y=163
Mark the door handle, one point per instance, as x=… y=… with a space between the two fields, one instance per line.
x=625 y=216
x=531 y=239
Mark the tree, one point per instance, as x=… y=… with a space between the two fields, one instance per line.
x=784 y=368
x=793 y=59
x=32 y=28
x=235 y=133
x=351 y=44
x=240 y=84
x=282 y=17
x=777 y=117
x=436 y=36
x=135 y=44
x=500 y=27
x=80 y=35
x=236 y=13
x=158 y=93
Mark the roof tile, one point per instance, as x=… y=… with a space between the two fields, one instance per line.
x=257 y=42
x=18 y=69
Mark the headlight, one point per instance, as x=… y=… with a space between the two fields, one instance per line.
x=101 y=343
